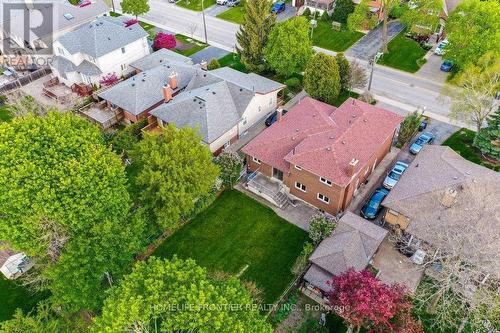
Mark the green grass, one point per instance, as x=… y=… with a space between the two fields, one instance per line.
x=343 y=96
x=146 y=26
x=237 y=231
x=195 y=4
x=196 y=45
x=235 y=14
x=325 y=37
x=114 y=14
x=404 y=54
x=5 y=114
x=15 y=296
x=232 y=60
x=461 y=141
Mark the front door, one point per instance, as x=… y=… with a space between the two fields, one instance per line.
x=278 y=174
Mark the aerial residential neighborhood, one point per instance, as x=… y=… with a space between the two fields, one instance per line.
x=250 y=166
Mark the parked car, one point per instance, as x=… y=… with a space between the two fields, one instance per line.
x=273 y=117
x=447 y=65
x=394 y=175
x=373 y=206
x=278 y=7
x=423 y=124
x=233 y=3
x=221 y=2
x=440 y=48
x=424 y=138
x=173 y=1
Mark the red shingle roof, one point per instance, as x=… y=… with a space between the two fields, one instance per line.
x=323 y=139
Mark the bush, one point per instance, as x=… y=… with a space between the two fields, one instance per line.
x=213 y=64
x=325 y=17
x=409 y=127
x=320 y=227
x=124 y=141
x=230 y=165
x=397 y=11
x=303 y=259
x=342 y=10
x=307 y=12
x=164 y=41
x=284 y=310
x=292 y=83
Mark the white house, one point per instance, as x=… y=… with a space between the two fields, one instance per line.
x=96 y=49
x=16 y=265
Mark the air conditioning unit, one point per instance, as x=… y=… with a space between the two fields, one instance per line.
x=418 y=257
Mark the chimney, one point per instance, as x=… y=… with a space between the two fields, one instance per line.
x=280 y=114
x=204 y=65
x=352 y=167
x=172 y=80
x=449 y=197
x=167 y=93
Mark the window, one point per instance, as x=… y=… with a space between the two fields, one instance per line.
x=124 y=67
x=300 y=186
x=256 y=160
x=61 y=50
x=325 y=181
x=123 y=50
x=227 y=144
x=323 y=198
x=298 y=168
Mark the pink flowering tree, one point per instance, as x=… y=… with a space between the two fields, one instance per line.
x=130 y=22
x=164 y=41
x=108 y=79
x=364 y=301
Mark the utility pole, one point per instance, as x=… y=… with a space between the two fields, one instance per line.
x=372 y=62
x=313 y=21
x=204 y=22
x=113 y=5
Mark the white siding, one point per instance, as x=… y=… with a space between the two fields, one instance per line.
x=259 y=107
x=217 y=144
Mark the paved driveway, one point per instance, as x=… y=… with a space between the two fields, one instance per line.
x=289 y=12
x=216 y=10
x=208 y=54
x=430 y=70
x=371 y=43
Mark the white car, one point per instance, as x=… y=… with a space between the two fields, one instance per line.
x=221 y=2
x=440 y=49
x=394 y=175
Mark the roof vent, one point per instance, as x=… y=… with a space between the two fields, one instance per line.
x=344 y=142
x=332 y=137
x=314 y=115
x=329 y=148
x=133 y=84
x=449 y=197
x=241 y=89
x=213 y=92
x=365 y=120
x=455 y=177
x=296 y=130
x=354 y=116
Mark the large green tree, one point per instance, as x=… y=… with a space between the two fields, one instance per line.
x=178 y=296
x=322 y=79
x=473 y=29
x=135 y=7
x=253 y=34
x=343 y=8
x=344 y=71
x=487 y=139
x=361 y=18
x=175 y=170
x=289 y=47
x=64 y=202
x=422 y=15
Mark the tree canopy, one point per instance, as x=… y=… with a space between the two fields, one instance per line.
x=178 y=295
x=487 y=139
x=135 y=7
x=63 y=202
x=230 y=165
x=472 y=30
x=422 y=15
x=344 y=71
x=253 y=34
x=289 y=47
x=343 y=8
x=175 y=170
x=322 y=79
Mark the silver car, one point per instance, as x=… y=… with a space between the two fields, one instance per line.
x=394 y=175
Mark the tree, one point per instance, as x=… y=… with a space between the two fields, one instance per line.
x=487 y=140
x=302 y=260
x=66 y=207
x=472 y=31
x=123 y=142
x=344 y=71
x=475 y=97
x=253 y=34
x=386 y=8
x=343 y=8
x=178 y=295
x=164 y=41
x=358 y=77
x=322 y=79
x=175 y=170
x=361 y=18
x=364 y=301
x=409 y=127
x=422 y=15
x=230 y=164
x=320 y=227
x=213 y=64
x=109 y=79
x=289 y=47
x=26 y=105
x=135 y=7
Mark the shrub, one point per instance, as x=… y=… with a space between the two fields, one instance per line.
x=322 y=79
x=230 y=164
x=109 y=79
x=307 y=12
x=342 y=10
x=397 y=11
x=292 y=83
x=325 y=17
x=123 y=141
x=164 y=41
x=213 y=64
x=130 y=22
x=320 y=227
x=409 y=127
x=303 y=259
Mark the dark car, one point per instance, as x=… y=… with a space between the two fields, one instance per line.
x=373 y=206
x=278 y=7
x=233 y=3
x=447 y=65
x=423 y=125
x=273 y=117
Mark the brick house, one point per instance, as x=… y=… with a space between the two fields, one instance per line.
x=319 y=153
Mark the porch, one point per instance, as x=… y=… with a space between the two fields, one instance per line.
x=269 y=189
x=101 y=114
x=58 y=92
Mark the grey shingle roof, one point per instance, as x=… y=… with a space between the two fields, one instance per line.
x=250 y=81
x=158 y=58
x=351 y=245
x=88 y=68
x=63 y=65
x=101 y=36
x=474 y=214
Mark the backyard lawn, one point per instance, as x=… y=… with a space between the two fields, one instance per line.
x=235 y=14
x=404 y=54
x=461 y=142
x=14 y=296
x=195 y=4
x=324 y=36
x=239 y=235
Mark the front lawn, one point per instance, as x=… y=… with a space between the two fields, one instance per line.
x=195 y=4
x=13 y=296
x=461 y=141
x=239 y=235
x=235 y=14
x=343 y=96
x=232 y=60
x=188 y=46
x=325 y=37
x=404 y=54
